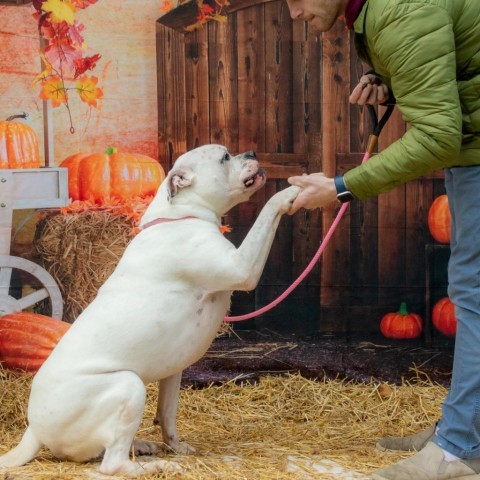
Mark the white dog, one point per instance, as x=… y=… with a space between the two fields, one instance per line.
x=157 y=314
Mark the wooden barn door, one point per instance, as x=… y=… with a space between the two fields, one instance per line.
x=262 y=82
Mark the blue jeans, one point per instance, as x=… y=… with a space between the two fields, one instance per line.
x=458 y=431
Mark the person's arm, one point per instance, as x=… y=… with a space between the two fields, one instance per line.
x=414 y=47
x=423 y=80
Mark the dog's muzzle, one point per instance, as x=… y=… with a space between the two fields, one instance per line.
x=250 y=180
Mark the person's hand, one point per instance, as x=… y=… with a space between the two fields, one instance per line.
x=317 y=190
x=369 y=91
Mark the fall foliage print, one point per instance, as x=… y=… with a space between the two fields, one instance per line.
x=65 y=65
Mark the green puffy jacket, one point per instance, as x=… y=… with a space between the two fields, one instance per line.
x=428 y=53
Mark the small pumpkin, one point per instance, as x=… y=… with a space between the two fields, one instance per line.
x=27 y=339
x=401 y=324
x=101 y=177
x=443 y=317
x=439 y=219
x=18 y=145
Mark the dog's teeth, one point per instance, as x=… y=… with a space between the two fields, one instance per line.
x=250 y=181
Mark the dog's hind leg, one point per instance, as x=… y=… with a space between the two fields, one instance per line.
x=168 y=391
x=126 y=415
x=25 y=451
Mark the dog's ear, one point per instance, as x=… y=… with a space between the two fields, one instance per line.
x=178 y=178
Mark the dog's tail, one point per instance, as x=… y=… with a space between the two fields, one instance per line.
x=25 y=451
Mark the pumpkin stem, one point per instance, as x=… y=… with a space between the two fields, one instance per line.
x=403 y=309
x=111 y=150
x=23 y=115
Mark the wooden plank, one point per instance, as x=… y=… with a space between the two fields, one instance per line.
x=251 y=78
x=335 y=134
x=363 y=215
x=278 y=78
x=273 y=271
x=170 y=94
x=197 y=88
x=300 y=68
x=419 y=195
x=308 y=226
x=283 y=158
x=282 y=171
x=314 y=97
x=307 y=134
x=223 y=75
x=307 y=130
x=391 y=226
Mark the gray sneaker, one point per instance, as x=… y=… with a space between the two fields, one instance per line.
x=409 y=443
x=430 y=464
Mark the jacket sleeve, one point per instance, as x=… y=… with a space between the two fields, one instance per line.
x=413 y=48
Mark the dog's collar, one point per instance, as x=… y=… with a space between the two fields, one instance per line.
x=164 y=220
x=156 y=221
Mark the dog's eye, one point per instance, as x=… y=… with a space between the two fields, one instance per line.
x=225 y=157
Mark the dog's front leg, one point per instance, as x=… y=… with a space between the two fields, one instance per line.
x=251 y=256
x=168 y=391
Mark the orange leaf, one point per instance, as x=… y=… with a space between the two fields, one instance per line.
x=54 y=90
x=225 y=228
x=60 y=10
x=88 y=91
x=166 y=6
x=45 y=73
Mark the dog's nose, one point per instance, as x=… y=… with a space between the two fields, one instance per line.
x=250 y=154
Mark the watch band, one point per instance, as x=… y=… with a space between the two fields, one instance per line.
x=343 y=194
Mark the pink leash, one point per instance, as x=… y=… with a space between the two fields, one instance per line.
x=372 y=142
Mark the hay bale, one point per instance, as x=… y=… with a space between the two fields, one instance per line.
x=81 y=250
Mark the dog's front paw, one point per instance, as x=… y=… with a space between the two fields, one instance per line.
x=286 y=197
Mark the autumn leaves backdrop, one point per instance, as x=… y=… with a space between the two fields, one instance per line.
x=123 y=35
x=64 y=56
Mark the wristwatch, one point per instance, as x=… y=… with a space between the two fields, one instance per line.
x=344 y=195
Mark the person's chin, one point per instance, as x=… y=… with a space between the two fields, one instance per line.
x=321 y=25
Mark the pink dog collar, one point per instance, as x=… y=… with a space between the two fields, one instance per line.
x=164 y=220
x=222 y=228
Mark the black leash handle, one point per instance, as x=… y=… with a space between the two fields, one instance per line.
x=379 y=124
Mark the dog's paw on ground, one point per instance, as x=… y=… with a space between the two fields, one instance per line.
x=145 y=447
x=181 y=448
x=147 y=467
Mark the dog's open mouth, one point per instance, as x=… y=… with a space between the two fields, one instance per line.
x=252 y=179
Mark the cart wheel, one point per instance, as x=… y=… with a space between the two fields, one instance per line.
x=45 y=287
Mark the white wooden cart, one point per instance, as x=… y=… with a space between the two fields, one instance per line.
x=27 y=189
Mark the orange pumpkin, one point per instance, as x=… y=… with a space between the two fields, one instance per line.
x=27 y=339
x=100 y=177
x=401 y=324
x=443 y=317
x=18 y=145
x=439 y=219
